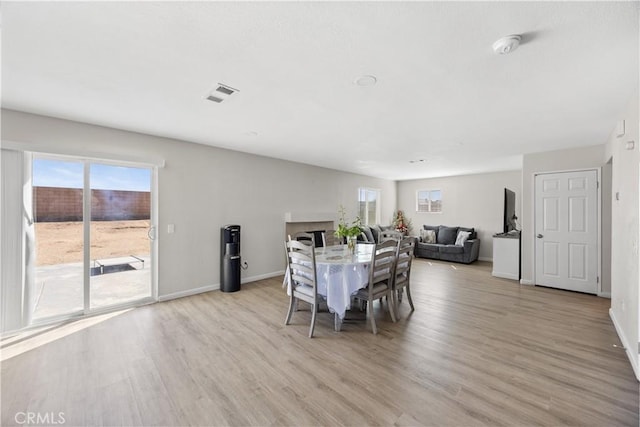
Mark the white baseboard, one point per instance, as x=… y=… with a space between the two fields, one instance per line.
x=482 y=258
x=262 y=276
x=625 y=343
x=526 y=282
x=605 y=295
x=215 y=287
x=188 y=292
x=504 y=275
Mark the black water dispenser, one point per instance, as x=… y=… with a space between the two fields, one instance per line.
x=230 y=261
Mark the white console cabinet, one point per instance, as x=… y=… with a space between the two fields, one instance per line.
x=506 y=256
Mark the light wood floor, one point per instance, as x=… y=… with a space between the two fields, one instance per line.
x=477 y=351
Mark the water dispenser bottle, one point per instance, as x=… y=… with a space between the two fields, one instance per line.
x=230 y=260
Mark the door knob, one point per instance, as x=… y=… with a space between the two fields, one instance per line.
x=539 y=236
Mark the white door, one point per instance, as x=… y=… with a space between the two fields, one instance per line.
x=566 y=232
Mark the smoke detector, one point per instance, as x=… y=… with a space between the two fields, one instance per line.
x=507 y=44
x=221 y=93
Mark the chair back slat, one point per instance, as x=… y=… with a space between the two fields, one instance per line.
x=404 y=255
x=302 y=263
x=382 y=263
x=329 y=238
x=386 y=235
x=304 y=237
x=402 y=275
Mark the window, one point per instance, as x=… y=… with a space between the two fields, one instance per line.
x=429 y=201
x=369 y=206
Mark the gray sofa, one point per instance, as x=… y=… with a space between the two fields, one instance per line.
x=445 y=248
x=371 y=233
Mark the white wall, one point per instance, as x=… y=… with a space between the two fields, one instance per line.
x=202 y=188
x=467 y=201
x=625 y=231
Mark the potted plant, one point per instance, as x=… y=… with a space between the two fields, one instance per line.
x=346 y=231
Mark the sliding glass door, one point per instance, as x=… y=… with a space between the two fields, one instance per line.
x=58 y=191
x=120 y=254
x=93 y=235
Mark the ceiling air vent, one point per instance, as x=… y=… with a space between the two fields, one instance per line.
x=221 y=93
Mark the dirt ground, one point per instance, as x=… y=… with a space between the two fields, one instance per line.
x=61 y=242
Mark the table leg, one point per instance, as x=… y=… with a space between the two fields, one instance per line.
x=337 y=322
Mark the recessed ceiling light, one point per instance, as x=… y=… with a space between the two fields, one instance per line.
x=366 y=80
x=507 y=44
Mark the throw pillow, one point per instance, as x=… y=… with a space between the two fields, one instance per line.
x=472 y=232
x=463 y=236
x=367 y=232
x=430 y=236
x=447 y=235
x=375 y=231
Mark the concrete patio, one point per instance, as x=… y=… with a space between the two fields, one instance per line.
x=59 y=287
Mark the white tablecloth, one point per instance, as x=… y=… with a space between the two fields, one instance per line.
x=341 y=274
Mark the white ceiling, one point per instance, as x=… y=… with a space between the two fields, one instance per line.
x=442 y=95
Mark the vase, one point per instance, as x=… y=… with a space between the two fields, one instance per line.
x=351 y=244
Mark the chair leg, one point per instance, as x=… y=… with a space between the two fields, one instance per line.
x=392 y=307
x=409 y=296
x=373 y=321
x=313 y=320
x=396 y=303
x=291 y=304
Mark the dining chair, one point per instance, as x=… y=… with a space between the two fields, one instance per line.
x=302 y=277
x=380 y=283
x=329 y=238
x=386 y=235
x=304 y=237
x=402 y=274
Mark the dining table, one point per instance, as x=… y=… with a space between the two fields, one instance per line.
x=340 y=274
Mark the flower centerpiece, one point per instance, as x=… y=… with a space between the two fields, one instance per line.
x=346 y=231
x=400 y=223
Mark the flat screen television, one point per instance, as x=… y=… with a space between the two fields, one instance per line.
x=509 y=219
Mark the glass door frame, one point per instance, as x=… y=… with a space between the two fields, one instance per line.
x=86 y=224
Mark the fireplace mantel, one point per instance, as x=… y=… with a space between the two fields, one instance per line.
x=307 y=222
